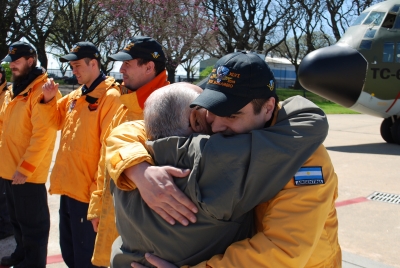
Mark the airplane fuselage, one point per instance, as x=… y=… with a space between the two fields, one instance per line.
x=362 y=70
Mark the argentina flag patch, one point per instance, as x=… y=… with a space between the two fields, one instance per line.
x=309 y=176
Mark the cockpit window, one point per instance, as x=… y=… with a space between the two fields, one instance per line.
x=389 y=21
x=395 y=9
x=370 y=33
x=388 y=52
x=374 y=18
x=397 y=23
x=366 y=44
x=398 y=53
x=360 y=18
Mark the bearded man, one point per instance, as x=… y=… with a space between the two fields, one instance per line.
x=26 y=148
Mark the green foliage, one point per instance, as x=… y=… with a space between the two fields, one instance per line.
x=60 y=81
x=206 y=71
x=334 y=108
x=6 y=66
x=327 y=106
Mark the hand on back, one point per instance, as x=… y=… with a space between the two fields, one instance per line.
x=157 y=188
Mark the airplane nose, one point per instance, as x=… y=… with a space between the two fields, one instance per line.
x=336 y=73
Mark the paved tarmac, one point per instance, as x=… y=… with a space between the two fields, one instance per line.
x=369 y=231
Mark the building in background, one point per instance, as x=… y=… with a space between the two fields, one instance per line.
x=283 y=69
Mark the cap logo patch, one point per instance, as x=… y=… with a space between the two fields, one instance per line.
x=155 y=55
x=75 y=48
x=129 y=46
x=271 y=85
x=96 y=55
x=12 y=51
x=222 y=71
x=222 y=76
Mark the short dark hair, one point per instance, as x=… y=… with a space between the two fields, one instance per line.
x=87 y=60
x=159 y=66
x=34 y=57
x=259 y=103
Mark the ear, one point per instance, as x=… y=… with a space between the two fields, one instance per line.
x=30 y=62
x=194 y=123
x=268 y=108
x=150 y=67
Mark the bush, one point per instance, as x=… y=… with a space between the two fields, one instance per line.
x=206 y=71
x=6 y=66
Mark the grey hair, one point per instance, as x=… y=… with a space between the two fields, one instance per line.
x=167 y=111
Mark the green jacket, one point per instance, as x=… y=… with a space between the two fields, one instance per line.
x=229 y=177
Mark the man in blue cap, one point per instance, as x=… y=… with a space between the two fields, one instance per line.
x=26 y=149
x=296 y=225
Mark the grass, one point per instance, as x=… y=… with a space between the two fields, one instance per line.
x=327 y=106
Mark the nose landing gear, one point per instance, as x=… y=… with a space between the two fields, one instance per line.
x=390 y=129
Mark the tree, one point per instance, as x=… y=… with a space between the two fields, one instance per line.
x=37 y=21
x=339 y=14
x=183 y=27
x=248 y=25
x=190 y=66
x=9 y=27
x=84 y=20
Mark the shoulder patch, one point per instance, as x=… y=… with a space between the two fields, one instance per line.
x=309 y=176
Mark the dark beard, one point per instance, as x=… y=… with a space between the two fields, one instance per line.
x=25 y=80
x=23 y=76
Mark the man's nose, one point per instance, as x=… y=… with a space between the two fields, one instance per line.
x=122 y=69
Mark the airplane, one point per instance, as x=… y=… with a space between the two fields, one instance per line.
x=362 y=70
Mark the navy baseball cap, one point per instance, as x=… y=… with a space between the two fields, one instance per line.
x=236 y=80
x=142 y=47
x=18 y=50
x=82 y=50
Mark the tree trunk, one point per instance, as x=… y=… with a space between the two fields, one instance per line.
x=171 y=74
x=42 y=57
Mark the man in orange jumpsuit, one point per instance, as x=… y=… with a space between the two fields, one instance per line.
x=26 y=150
x=143 y=70
x=6 y=228
x=83 y=117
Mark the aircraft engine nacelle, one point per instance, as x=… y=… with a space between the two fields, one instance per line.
x=336 y=73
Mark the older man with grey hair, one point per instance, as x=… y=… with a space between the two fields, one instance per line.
x=167 y=112
x=235 y=173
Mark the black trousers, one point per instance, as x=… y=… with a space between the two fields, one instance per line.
x=5 y=222
x=30 y=217
x=77 y=236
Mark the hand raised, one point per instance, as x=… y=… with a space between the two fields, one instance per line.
x=50 y=89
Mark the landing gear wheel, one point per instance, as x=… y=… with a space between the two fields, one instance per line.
x=386 y=132
x=396 y=131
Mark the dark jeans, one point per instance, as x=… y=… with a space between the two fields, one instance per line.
x=76 y=233
x=5 y=223
x=29 y=214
